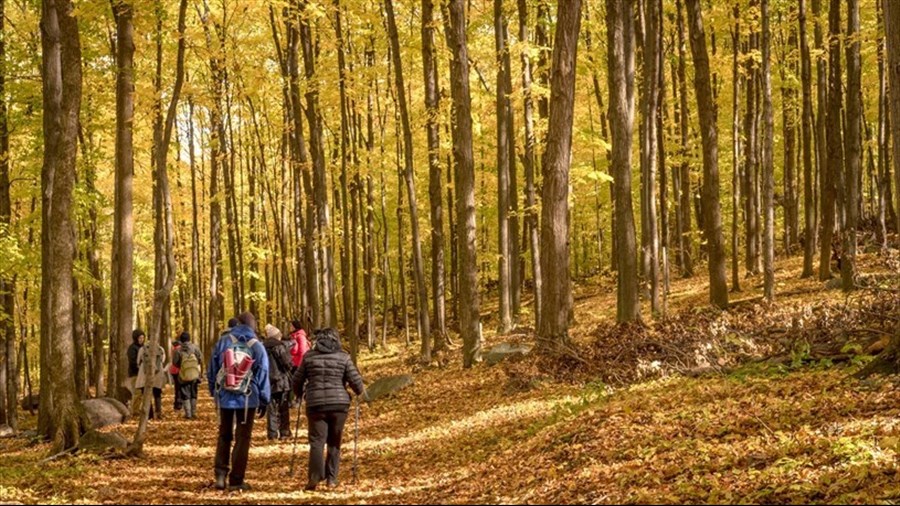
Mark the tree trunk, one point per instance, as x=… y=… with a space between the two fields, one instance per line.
x=768 y=161
x=809 y=209
x=418 y=267
x=687 y=263
x=529 y=160
x=469 y=304
x=620 y=35
x=435 y=181
x=751 y=171
x=503 y=163
x=718 y=287
x=122 y=272
x=853 y=160
x=833 y=167
x=789 y=134
x=736 y=167
x=554 y=329
x=650 y=149
x=8 y=348
x=891 y=113
x=60 y=417
x=350 y=326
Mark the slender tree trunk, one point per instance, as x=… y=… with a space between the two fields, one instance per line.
x=418 y=267
x=8 y=345
x=853 y=160
x=60 y=416
x=806 y=125
x=650 y=148
x=435 y=181
x=350 y=327
x=789 y=134
x=833 y=167
x=503 y=163
x=736 y=167
x=718 y=287
x=685 y=176
x=768 y=161
x=122 y=272
x=554 y=329
x=620 y=34
x=892 y=50
x=531 y=215
x=469 y=304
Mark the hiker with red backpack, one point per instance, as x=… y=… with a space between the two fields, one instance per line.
x=301 y=344
x=238 y=377
x=173 y=373
x=189 y=361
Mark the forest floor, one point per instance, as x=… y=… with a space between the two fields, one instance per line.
x=684 y=411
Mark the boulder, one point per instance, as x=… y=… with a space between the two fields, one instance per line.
x=388 y=386
x=6 y=431
x=31 y=401
x=100 y=442
x=104 y=412
x=503 y=351
x=833 y=284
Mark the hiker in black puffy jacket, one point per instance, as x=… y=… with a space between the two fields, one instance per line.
x=279 y=411
x=324 y=375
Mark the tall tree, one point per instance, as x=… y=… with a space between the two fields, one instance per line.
x=833 y=166
x=685 y=192
x=853 y=160
x=435 y=181
x=650 y=148
x=892 y=49
x=469 y=304
x=60 y=416
x=409 y=176
x=718 y=287
x=620 y=47
x=555 y=166
x=9 y=370
x=529 y=161
x=503 y=163
x=121 y=300
x=806 y=125
x=736 y=167
x=768 y=161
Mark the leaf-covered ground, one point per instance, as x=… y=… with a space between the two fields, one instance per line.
x=789 y=431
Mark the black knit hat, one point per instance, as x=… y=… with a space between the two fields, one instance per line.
x=232 y=323
x=184 y=337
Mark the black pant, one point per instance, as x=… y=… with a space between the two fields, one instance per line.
x=178 y=397
x=325 y=426
x=279 y=415
x=156 y=407
x=187 y=391
x=241 y=437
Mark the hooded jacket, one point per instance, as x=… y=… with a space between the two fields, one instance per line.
x=133 y=352
x=159 y=378
x=260 y=391
x=325 y=374
x=300 y=348
x=279 y=364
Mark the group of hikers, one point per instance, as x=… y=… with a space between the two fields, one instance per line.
x=251 y=378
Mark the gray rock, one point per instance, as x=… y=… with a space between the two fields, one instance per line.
x=101 y=442
x=833 y=284
x=6 y=431
x=105 y=411
x=503 y=351
x=31 y=401
x=388 y=386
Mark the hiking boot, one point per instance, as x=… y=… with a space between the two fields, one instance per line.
x=310 y=487
x=241 y=487
x=332 y=483
x=220 y=481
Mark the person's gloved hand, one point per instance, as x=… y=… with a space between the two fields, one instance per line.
x=365 y=397
x=261 y=410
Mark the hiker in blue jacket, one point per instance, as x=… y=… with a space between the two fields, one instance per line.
x=238 y=397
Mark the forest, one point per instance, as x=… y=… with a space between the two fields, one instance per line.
x=612 y=250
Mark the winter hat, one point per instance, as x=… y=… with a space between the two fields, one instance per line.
x=136 y=334
x=232 y=323
x=297 y=325
x=184 y=337
x=272 y=332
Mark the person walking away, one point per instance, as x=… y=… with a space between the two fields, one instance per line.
x=173 y=373
x=301 y=344
x=189 y=361
x=324 y=375
x=279 y=412
x=238 y=377
x=137 y=342
x=157 y=381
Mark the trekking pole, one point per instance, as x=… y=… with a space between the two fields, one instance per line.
x=295 y=438
x=356 y=443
